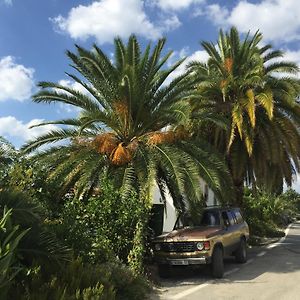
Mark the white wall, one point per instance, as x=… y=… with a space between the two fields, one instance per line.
x=170 y=215
x=211 y=200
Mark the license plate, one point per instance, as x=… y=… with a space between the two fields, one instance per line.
x=179 y=262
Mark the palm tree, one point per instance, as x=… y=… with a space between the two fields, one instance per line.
x=7 y=151
x=132 y=127
x=8 y=155
x=39 y=244
x=256 y=95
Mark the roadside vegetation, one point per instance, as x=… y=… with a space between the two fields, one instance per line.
x=268 y=214
x=75 y=203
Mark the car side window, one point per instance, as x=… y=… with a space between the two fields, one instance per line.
x=225 y=218
x=238 y=216
x=228 y=218
x=231 y=218
x=232 y=214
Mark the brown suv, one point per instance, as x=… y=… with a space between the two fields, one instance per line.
x=220 y=232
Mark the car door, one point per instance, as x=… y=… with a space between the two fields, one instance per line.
x=229 y=236
x=235 y=228
x=242 y=227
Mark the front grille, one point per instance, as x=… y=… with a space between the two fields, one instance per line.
x=179 y=247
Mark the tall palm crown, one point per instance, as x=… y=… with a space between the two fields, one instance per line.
x=132 y=125
x=260 y=108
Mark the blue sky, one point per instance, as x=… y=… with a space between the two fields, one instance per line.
x=35 y=34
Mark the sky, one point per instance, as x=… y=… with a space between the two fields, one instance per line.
x=35 y=34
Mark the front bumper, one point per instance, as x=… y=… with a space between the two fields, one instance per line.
x=183 y=261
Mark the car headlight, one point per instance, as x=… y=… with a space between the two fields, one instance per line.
x=157 y=247
x=199 y=246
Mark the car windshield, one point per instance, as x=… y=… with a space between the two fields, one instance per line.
x=209 y=218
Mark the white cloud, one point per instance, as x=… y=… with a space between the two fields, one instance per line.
x=16 y=81
x=8 y=2
x=175 y=5
x=170 y=23
x=107 y=19
x=218 y=14
x=199 y=55
x=12 y=127
x=289 y=56
x=293 y=56
x=278 y=20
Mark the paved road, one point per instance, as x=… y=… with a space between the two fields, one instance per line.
x=271 y=273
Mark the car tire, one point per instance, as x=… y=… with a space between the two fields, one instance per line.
x=241 y=252
x=164 y=271
x=217 y=263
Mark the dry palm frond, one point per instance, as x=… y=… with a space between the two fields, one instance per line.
x=169 y=137
x=223 y=84
x=266 y=100
x=121 y=155
x=228 y=63
x=249 y=144
x=121 y=108
x=181 y=133
x=157 y=138
x=132 y=146
x=250 y=106
x=105 y=143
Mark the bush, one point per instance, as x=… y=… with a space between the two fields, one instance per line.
x=39 y=243
x=293 y=198
x=27 y=176
x=79 y=281
x=10 y=237
x=103 y=227
x=266 y=213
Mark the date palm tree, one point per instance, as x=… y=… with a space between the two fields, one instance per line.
x=132 y=127
x=256 y=95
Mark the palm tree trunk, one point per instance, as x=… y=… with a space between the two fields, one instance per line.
x=239 y=192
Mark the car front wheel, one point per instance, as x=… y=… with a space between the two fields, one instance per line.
x=217 y=263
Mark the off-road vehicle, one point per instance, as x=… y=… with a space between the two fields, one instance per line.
x=219 y=232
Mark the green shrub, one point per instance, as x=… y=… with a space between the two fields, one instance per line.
x=293 y=199
x=82 y=281
x=103 y=227
x=10 y=237
x=39 y=243
x=30 y=177
x=266 y=213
